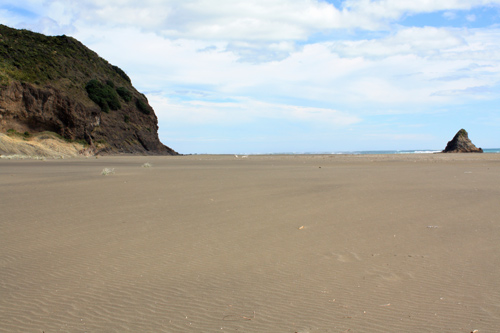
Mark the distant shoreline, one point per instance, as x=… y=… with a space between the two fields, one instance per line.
x=55 y=155
x=354 y=152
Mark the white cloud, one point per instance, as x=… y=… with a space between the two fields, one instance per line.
x=257 y=20
x=254 y=30
x=450 y=15
x=419 y=41
x=409 y=68
x=244 y=110
x=395 y=9
x=229 y=20
x=471 y=18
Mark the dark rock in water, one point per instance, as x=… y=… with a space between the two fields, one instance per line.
x=57 y=84
x=461 y=144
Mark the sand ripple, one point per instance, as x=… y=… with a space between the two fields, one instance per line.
x=255 y=245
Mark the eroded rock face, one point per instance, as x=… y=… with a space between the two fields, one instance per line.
x=25 y=107
x=461 y=144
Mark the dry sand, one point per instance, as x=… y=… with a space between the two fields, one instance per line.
x=370 y=243
x=40 y=145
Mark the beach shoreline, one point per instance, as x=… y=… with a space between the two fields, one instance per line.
x=252 y=243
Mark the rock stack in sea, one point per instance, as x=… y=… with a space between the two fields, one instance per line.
x=461 y=144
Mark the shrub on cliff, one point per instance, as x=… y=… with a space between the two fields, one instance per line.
x=143 y=107
x=103 y=95
x=124 y=93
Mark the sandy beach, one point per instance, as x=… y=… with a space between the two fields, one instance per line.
x=293 y=243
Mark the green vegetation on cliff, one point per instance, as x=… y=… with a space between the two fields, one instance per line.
x=64 y=63
x=103 y=95
x=124 y=93
x=39 y=59
x=55 y=83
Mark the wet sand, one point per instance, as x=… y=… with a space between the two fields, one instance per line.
x=314 y=243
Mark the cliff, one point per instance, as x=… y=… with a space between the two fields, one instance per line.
x=461 y=144
x=57 y=84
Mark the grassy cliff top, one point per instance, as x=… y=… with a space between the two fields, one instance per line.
x=61 y=61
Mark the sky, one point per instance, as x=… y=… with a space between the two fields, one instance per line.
x=295 y=76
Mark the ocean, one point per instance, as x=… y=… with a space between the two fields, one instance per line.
x=420 y=151
x=378 y=152
x=360 y=152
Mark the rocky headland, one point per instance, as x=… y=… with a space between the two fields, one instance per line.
x=56 y=84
